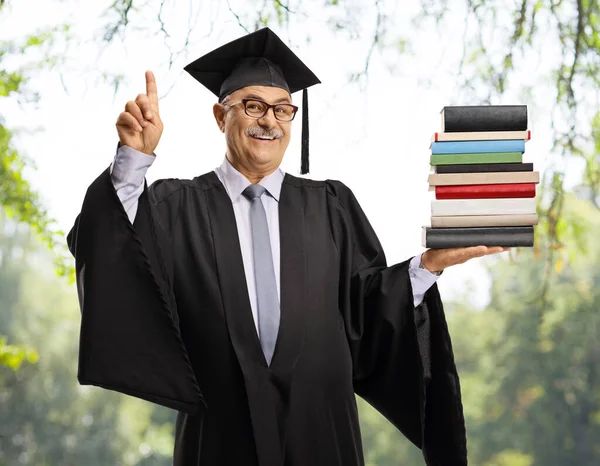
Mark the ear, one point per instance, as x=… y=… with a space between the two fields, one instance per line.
x=219 y=113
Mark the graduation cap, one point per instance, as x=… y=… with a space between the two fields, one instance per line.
x=257 y=59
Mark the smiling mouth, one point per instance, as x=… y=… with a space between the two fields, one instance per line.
x=263 y=138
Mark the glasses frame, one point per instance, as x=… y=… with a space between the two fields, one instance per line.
x=269 y=106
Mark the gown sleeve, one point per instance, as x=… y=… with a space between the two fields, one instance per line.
x=402 y=356
x=130 y=340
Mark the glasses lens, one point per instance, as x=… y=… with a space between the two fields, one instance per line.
x=255 y=108
x=284 y=112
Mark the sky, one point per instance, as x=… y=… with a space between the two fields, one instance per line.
x=374 y=138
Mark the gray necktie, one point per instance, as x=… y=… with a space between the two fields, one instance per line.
x=266 y=286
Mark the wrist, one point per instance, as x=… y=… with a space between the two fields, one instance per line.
x=429 y=266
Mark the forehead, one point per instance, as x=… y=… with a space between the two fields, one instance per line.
x=266 y=93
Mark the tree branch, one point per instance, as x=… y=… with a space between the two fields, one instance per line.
x=279 y=3
x=517 y=34
x=461 y=63
x=239 y=21
x=376 y=39
x=123 y=21
x=577 y=48
x=161 y=21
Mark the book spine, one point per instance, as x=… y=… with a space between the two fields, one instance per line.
x=485 y=118
x=466 y=221
x=481 y=136
x=441 y=238
x=477 y=147
x=485 y=191
x=458 y=159
x=484 y=168
x=514 y=206
x=452 y=179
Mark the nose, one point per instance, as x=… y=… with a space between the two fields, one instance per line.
x=268 y=120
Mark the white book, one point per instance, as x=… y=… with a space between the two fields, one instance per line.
x=512 y=206
x=464 y=221
x=481 y=136
x=455 y=179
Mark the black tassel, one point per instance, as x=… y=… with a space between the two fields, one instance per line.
x=304 y=161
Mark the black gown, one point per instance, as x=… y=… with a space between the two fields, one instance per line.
x=166 y=318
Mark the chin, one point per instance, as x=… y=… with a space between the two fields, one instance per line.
x=265 y=158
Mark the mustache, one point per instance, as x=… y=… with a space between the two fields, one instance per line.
x=258 y=132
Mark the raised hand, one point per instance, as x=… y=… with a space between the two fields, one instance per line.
x=436 y=260
x=140 y=126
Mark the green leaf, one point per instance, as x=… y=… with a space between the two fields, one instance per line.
x=10 y=82
x=510 y=458
x=12 y=356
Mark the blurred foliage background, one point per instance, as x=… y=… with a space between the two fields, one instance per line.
x=529 y=361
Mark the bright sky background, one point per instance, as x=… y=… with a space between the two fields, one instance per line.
x=375 y=140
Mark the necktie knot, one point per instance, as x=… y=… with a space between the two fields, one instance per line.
x=253 y=191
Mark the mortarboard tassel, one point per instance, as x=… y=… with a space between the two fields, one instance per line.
x=304 y=160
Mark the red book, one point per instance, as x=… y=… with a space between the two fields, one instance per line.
x=485 y=191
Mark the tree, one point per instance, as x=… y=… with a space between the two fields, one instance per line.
x=11 y=356
x=17 y=198
x=47 y=418
x=529 y=367
x=515 y=378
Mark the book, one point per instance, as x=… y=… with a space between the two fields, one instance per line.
x=457 y=221
x=485 y=191
x=441 y=238
x=454 y=159
x=483 y=167
x=453 y=179
x=481 y=136
x=484 y=118
x=477 y=147
x=514 y=206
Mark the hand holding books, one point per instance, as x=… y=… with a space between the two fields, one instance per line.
x=436 y=260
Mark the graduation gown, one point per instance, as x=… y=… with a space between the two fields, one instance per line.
x=166 y=318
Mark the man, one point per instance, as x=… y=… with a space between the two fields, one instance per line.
x=253 y=302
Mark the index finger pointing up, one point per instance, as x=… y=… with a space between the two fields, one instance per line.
x=151 y=90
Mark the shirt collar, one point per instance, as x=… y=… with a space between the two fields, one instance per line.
x=235 y=182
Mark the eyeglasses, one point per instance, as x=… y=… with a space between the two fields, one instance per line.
x=258 y=109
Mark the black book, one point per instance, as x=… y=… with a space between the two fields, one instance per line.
x=484 y=168
x=484 y=118
x=441 y=238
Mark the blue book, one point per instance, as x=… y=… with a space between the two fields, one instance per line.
x=477 y=147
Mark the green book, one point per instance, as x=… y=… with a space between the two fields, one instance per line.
x=498 y=157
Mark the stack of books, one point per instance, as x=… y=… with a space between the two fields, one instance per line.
x=484 y=192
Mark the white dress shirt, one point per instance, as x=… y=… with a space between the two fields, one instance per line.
x=129 y=170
